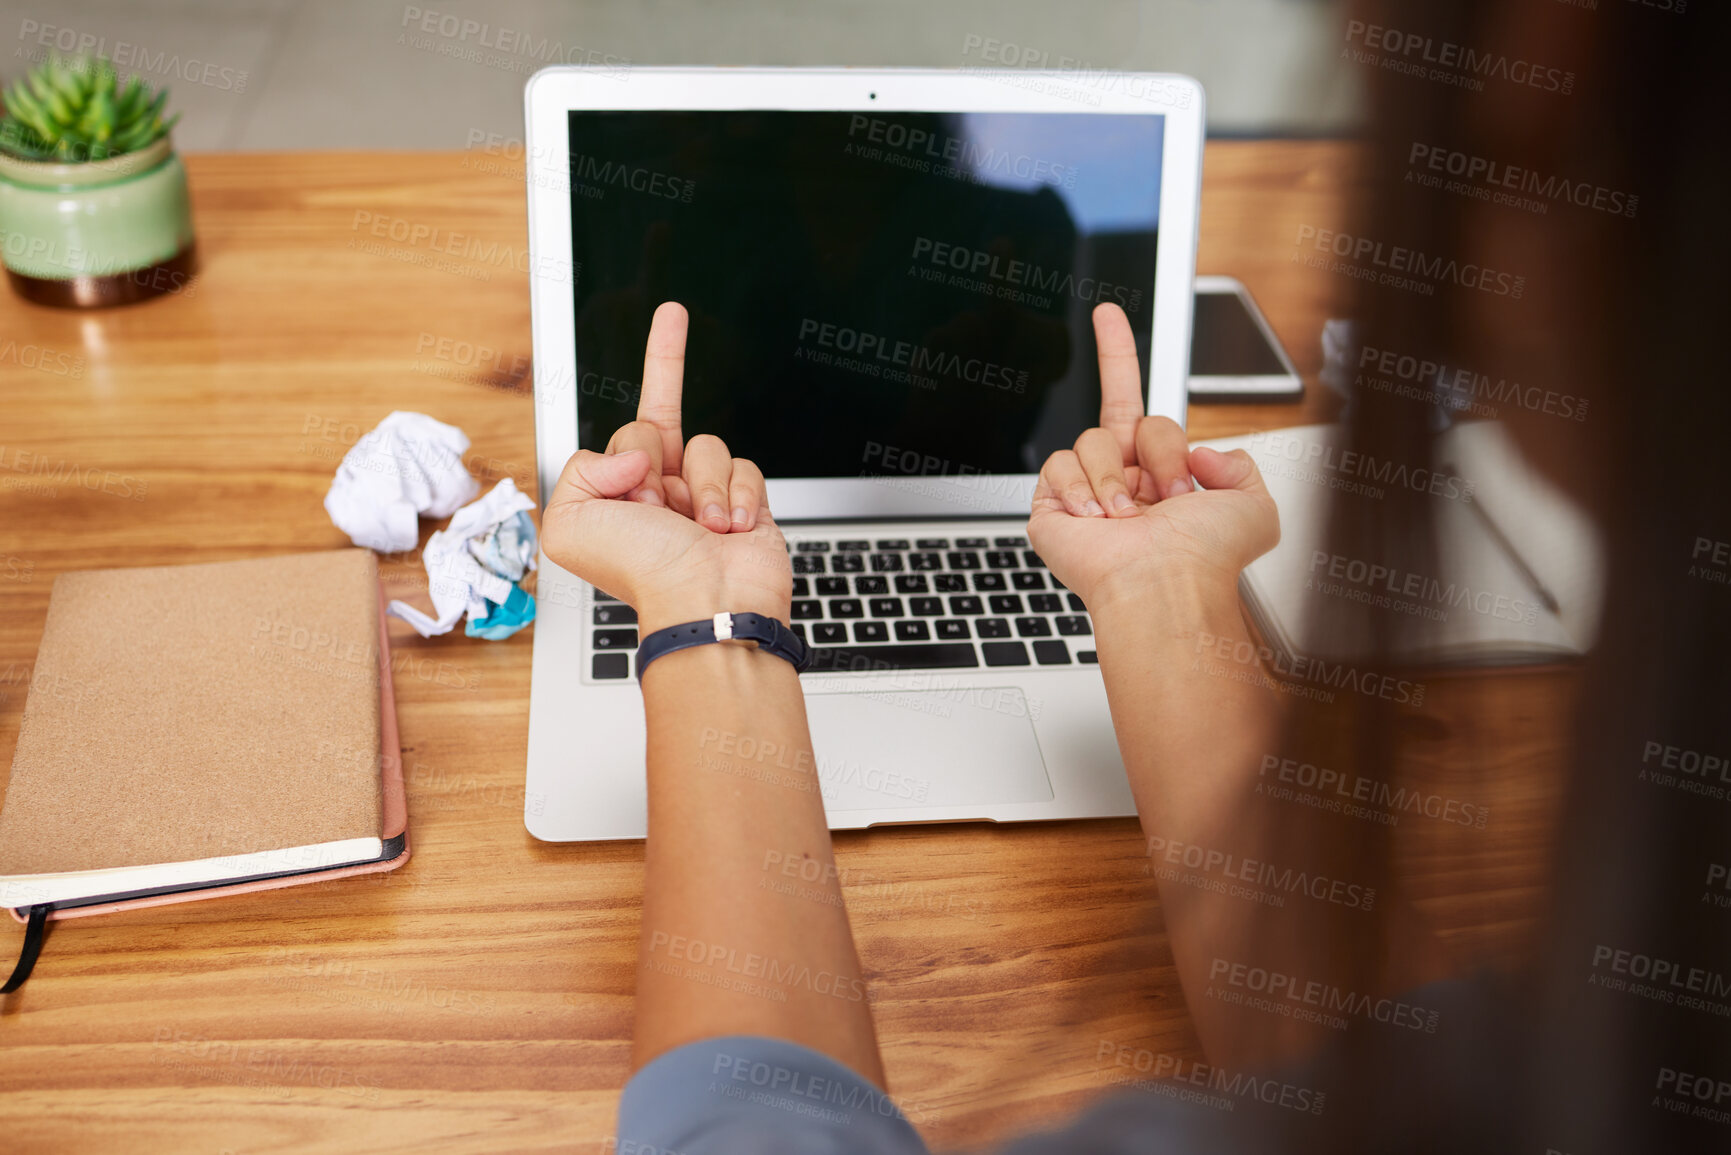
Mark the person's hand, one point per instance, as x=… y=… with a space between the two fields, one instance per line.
x=680 y=530
x=1122 y=510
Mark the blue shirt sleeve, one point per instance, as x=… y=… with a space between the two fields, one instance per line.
x=748 y=1095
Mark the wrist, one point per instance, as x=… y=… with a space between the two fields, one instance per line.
x=1187 y=592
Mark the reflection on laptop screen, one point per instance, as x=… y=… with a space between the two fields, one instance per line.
x=921 y=281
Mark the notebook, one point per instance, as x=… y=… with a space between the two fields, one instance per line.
x=1519 y=578
x=203 y=730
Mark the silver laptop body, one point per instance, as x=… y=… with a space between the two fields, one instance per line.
x=958 y=679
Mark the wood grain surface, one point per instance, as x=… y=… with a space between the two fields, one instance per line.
x=480 y=999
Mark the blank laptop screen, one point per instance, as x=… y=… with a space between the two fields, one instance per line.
x=869 y=294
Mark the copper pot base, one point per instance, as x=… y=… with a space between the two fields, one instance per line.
x=170 y=276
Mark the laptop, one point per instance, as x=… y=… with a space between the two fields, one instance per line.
x=890 y=276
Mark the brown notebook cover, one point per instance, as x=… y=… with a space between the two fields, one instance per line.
x=193 y=712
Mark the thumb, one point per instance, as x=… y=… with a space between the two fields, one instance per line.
x=1257 y=524
x=1235 y=470
x=590 y=476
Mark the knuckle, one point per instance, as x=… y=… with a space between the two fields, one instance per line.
x=708 y=443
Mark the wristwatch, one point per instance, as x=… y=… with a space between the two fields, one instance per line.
x=769 y=634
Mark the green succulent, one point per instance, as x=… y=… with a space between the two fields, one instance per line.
x=75 y=109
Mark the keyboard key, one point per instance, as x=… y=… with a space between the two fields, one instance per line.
x=925 y=561
x=867 y=584
x=802 y=587
x=871 y=632
x=832 y=587
x=970 y=543
x=848 y=563
x=1032 y=560
x=966 y=605
x=953 y=629
x=853 y=546
x=949 y=583
x=932 y=543
x=1076 y=603
x=1002 y=559
x=1045 y=603
x=912 y=583
x=616 y=614
x=912 y=630
x=610 y=666
x=1033 y=628
x=1006 y=603
x=1009 y=542
x=799 y=630
x=1004 y=653
x=846 y=608
x=615 y=639
x=962 y=560
x=1073 y=625
x=893 y=543
x=887 y=608
x=886 y=562
x=993 y=628
x=600 y=596
x=812 y=547
x=1058 y=585
x=829 y=633
x=1027 y=579
x=927 y=607
x=1088 y=657
x=987 y=581
x=807 y=609
x=904 y=656
x=807 y=563
x=1053 y=653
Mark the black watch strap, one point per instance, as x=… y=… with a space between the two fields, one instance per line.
x=768 y=633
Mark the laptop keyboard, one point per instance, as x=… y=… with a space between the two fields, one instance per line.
x=905 y=603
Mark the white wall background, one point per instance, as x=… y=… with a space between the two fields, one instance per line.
x=306 y=74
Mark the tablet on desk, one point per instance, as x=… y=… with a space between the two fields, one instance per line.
x=1234 y=354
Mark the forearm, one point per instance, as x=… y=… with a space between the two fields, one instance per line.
x=732 y=942
x=1196 y=717
x=1191 y=726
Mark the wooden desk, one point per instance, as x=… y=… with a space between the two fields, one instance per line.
x=480 y=998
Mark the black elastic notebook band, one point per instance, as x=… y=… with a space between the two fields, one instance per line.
x=36 y=929
x=34 y=932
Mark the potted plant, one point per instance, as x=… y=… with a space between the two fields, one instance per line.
x=93 y=201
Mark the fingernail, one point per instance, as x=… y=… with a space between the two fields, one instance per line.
x=1177 y=485
x=713 y=512
x=1092 y=509
x=741 y=516
x=1122 y=503
x=649 y=497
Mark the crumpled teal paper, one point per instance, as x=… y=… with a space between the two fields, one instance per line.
x=504 y=620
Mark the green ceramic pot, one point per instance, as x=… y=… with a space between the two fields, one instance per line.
x=101 y=233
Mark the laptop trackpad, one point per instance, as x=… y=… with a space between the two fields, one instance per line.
x=969 y=746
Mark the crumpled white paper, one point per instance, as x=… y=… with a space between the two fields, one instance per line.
x=408 y=465
x=477 y=559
